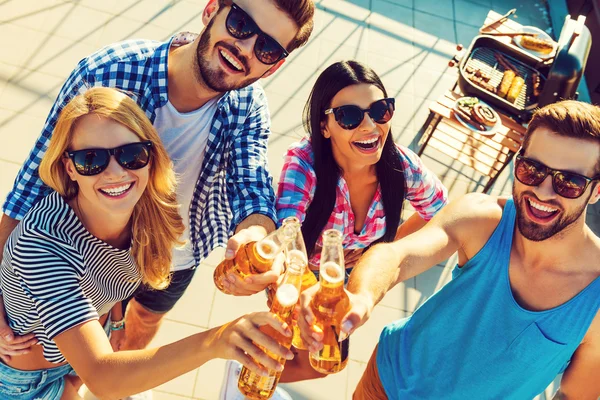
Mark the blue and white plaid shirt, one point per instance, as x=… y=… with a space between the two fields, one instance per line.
x=234 y=181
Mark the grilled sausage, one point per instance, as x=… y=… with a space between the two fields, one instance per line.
x=537 y=85
x=469 y=119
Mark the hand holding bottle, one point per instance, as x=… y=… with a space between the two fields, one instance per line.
x=240 y=286
x=242 y=339
x=251 y=262
x=360 y=310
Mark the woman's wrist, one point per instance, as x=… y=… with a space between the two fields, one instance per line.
x=117 y=325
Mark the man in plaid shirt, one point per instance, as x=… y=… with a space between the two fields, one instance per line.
x=199 y=92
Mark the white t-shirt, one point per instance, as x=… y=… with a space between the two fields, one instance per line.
x=185 y=136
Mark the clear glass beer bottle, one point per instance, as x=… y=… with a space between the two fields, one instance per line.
x=260 y=387
x=254 y=257
x=329 y=306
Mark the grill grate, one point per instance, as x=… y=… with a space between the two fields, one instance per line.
x=482 y=58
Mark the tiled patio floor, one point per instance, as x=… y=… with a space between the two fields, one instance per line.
x=408 y=42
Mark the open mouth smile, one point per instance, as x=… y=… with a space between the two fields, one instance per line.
x=117 y=191
x=230 y=62
x=368 y=145
x=539 y=212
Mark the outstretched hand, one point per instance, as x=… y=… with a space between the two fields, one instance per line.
x=240 y=340
x=253 y=284
x=361 y=307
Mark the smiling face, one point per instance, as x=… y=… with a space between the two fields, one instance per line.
x=363 y=145
x=225 y=63
x=541 y=213
x=115 y=190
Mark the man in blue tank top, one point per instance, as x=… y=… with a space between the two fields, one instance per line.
x=523 y=303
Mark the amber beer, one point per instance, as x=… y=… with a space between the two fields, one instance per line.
x=308 y=280
x=261 y=387
x=329 y=306
x=254 y=257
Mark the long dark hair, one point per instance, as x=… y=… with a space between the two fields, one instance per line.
x=389 y=168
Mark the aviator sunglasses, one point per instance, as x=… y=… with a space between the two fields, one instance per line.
x=90 y=162
x=566 y=184
x=241 y=26
x=351 y=116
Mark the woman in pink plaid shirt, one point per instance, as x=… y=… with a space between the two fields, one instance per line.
x=363 y=176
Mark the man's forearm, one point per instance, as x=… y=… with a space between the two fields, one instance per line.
x=7 y=225
x=257 y=220
x=411 y=225
x=376 y=272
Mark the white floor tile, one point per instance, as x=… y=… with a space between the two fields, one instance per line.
x=170 y=332
x=19 y=133
x=365 y=338
x=195 y=305
x=8 y=172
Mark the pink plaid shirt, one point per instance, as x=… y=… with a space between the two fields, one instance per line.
x=426 y=194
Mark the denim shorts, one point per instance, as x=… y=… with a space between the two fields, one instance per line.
x=162 y=301
x=41 y=384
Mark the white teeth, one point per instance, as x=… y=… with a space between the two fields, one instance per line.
x=231 y=60
x=541 y=207
x=370 y=141
x=117 y=191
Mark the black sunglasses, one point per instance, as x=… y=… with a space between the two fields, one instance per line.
x=241 y=26
x=351 y=116
x=566 y=184
x=93 y=161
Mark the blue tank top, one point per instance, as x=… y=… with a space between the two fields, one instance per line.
x=472 y=340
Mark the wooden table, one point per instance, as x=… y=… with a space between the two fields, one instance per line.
x=488 y=155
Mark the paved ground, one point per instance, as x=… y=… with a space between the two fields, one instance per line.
x=408 y=42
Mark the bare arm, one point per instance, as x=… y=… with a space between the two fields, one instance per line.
x=117 y=336
x=115 y=375
x=464 y=226
x=410 y=226
x=7 y=225
x=10 y=345
x=580 y=380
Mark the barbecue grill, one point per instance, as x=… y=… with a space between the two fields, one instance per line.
x=558 y=76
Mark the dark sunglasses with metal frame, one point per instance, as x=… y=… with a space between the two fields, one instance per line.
x=131 y=156
x=241 y=26
x=351 y=116
x=570 y=185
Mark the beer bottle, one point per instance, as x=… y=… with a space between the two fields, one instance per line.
x=308 y=280
x=254 y=257
x=329 y=306
x=260 y=387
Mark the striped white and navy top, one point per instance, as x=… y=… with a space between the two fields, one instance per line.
x=56 y=275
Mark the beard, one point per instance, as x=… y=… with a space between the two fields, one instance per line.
x=215 y=78
x=536 y=232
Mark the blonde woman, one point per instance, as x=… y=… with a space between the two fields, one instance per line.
x=108 y=226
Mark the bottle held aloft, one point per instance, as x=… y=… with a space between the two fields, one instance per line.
x=329 y=306
x=261 y=387
x=254 y=257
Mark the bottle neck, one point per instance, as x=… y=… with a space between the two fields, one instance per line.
x=331 y=278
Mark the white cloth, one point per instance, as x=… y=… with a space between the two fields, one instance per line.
x=185 y=136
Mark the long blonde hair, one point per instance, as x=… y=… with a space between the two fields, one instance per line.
x=156 y=223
